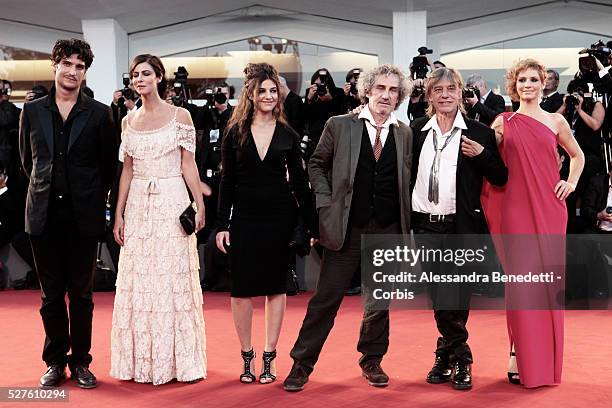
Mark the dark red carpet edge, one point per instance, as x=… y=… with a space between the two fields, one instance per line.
x=336 y=381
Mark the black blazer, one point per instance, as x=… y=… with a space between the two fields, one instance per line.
x=470 y=173
x=552 y=103
x=595 y=198
x=493 y=106
x=90 y=161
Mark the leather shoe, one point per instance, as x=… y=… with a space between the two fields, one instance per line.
x=296 y=379
x=84 y=378
x=440 y=372
x=462 y=376
x=54 y=376
x=373 y=372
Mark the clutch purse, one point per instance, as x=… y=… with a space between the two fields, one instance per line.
x=300 y=238
x=187 y=219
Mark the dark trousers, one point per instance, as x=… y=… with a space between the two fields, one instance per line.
x=337 y=269
x=451 y=324
x=65 y=262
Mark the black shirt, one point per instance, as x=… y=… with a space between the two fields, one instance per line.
x=61 y=137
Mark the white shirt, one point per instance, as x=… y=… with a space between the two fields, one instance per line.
x=605 y=71
x=605 y=225
x=484 y=97
x=371 y=125
x=448 y=169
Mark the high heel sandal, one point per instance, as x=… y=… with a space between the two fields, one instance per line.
x=266 y=376
x=513 y=375
x=247 y=376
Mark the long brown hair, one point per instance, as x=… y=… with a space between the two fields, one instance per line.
x=242 y=116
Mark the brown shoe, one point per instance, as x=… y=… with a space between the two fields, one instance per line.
x=373 y=372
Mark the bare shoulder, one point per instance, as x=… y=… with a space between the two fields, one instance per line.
x=183 y=116
x=498 y=124
x=556 y=121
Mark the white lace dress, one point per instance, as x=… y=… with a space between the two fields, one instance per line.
x=158 y=326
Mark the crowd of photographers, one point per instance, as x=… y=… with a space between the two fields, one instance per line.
x=587 y=106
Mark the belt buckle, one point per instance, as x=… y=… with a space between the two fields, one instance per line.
x=437 y=217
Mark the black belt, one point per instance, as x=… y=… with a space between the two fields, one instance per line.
x=433 y=218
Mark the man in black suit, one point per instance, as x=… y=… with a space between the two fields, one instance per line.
x=68 y=151
x=552 y=100
x=485 y=105
x=452 y=156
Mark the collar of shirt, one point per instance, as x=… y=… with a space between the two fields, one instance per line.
x=544 y=97
x=458 y=123
x=52 y=104
x=367 y=115
x=605 y=71
x=484 y=97
x=3 y=190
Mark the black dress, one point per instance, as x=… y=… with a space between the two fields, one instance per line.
x=263 y=209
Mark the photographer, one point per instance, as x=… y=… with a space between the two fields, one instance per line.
x=124 y=101
x=323 y=100
x=9 y=124
x=483 y=105
x=351 y=97
x=417 y=105
x=585 y=117
x=293 y=107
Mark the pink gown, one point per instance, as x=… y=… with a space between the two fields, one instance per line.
x=527 y=205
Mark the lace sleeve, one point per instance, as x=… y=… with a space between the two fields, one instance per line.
x=186 y=136
x=123 y=147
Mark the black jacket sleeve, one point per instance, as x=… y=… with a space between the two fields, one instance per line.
x=25 y=149
x=489 y=162
x=593 y=201
x=299 y=182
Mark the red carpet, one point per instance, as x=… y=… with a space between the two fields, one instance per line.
x=336 y=381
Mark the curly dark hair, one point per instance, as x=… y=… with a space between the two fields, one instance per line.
x=158 y=68
x=65 y=48
x=242 y=116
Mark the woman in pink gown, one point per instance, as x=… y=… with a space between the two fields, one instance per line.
x=532 y=203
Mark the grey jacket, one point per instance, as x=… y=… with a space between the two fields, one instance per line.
x=332 y=170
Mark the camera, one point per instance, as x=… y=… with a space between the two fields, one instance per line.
x=220 y=97
x=420 y=64
x=180 y=86
x=418 y=91
x=322 y=87
x=5 y=91
x=470 y=92
x=587 y=64
x=127 y=92
x=608 y=210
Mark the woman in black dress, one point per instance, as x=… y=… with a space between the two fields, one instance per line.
x=258 y=150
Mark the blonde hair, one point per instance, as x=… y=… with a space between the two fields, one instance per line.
x=438 y=75
x=516 y=69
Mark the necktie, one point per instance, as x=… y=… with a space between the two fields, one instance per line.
x=377 y=143
x=434 y=175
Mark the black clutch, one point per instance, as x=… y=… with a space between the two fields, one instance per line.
x=187 y=219
x=300 y=239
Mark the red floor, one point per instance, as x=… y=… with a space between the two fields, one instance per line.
x=336 y=381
